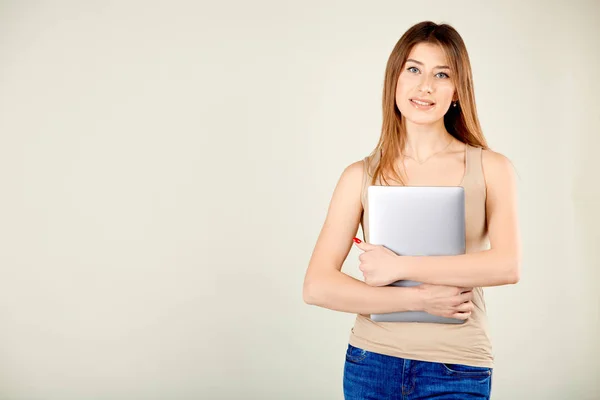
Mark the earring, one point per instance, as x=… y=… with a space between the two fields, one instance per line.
x=454 y=105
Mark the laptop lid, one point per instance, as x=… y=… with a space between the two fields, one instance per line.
x=417 y=221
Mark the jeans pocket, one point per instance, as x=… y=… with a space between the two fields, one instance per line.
x=355 y=354
x=467 y=370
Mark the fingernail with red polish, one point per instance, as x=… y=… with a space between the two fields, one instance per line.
x=356 y=240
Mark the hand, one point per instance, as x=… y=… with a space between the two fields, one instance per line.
x=377 y=263
x=446 y=301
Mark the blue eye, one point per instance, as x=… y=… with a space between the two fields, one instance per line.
x=446 y=76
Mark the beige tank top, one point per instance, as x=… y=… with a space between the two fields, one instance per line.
x=468 y=343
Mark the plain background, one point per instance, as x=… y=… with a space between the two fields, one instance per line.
x=166 y=167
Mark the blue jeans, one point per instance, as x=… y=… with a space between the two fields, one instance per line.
x=369 y=375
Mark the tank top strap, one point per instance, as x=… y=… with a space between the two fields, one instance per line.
x=365 y=180
x=473 y=165
x=369 y=165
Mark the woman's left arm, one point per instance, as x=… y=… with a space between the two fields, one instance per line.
x=501 y=264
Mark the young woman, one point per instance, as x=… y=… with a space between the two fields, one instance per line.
x=430 y=137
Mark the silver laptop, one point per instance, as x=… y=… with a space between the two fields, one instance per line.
x=417 y=221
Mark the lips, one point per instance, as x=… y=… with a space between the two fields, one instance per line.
x=422 y=102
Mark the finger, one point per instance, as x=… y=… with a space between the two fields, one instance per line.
x=462 y=298
x=364 y=246
x=464 y=307
x=465 y=289
x=358 y=243
x=461 y=315
x=358 y=246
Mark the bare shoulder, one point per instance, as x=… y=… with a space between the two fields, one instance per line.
x=354 y=172
x=496 y=167
x=349 y=185
x=348 y=189
x=494 y=159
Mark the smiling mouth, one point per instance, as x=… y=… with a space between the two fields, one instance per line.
x=422 y=103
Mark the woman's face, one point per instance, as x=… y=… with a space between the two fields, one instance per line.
x=425 y=76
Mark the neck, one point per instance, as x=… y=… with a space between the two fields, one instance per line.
x=424 y=140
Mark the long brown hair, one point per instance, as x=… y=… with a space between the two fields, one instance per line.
x=460 y=121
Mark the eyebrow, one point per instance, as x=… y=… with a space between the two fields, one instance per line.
x=420 y=63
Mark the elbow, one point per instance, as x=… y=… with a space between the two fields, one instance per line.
x=309 y=293
x=514 y=271
x=315 y=290
x=513 y=278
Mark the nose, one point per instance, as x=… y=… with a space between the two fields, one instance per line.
x=426 y=84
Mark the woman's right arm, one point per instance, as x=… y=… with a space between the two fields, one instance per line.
x=324 y=284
